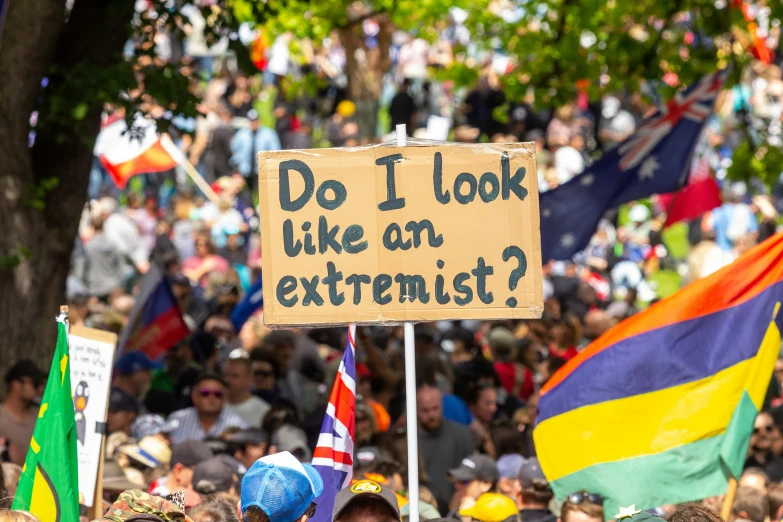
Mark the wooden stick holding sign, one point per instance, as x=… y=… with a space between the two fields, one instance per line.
x=410 y=394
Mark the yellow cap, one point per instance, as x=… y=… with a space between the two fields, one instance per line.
x=491 y=507
x=346 y=108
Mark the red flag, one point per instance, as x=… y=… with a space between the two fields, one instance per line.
x=692 y=201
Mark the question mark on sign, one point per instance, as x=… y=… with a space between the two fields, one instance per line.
x=516 y=274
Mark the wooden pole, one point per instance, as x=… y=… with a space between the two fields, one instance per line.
x=728 y=500
x=180 y=158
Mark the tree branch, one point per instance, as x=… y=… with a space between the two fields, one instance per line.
x=353 y=23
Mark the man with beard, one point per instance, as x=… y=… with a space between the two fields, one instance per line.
x=442 y=443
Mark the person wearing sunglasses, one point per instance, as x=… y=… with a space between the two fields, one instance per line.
x=582 y=506
x=209 y=415
x=762 y=442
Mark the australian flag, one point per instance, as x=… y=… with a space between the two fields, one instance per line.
x=653 y=160
x=333 y=455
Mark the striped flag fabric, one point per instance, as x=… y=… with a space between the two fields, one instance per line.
x=660 y=409
x=125 y=152
x=333 y=455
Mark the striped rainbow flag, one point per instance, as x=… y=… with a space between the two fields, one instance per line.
x=660 y=409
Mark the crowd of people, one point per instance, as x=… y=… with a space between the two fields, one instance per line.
x=225 y=422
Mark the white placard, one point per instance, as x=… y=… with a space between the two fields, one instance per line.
x=92 y=357
x=438 y=128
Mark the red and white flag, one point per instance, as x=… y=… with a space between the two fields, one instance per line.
x=126 y=152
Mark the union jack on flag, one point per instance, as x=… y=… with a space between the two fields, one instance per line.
x=333 y=455
x=653 y=160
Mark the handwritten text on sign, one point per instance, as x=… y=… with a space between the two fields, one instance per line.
x=386 y=234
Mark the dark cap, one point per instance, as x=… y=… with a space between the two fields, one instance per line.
x=133 y=362
x=365 y=487
x=476 y=467
x=530 y=472
x=120 y=400
x=213 y=476
x=25 y=368
x=372 y=455
x=251 y=436
x=190 y=453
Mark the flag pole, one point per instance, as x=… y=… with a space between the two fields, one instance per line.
x=180 y=158
x=728 y=500
x=410 y=394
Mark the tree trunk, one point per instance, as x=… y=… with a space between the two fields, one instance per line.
x=36 y=244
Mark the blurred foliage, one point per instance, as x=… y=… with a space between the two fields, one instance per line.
x=610 y=45
x=764 y=163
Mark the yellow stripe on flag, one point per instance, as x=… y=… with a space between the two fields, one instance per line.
x=661 y=420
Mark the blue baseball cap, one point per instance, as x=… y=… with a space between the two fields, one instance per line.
x=133 y=362
x=510 y=464
x=281 y=486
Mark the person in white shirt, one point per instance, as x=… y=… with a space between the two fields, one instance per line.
x=239 y=377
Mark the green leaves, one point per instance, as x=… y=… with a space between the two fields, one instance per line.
x=37 y=197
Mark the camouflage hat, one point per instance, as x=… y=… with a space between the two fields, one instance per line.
x=136 y=505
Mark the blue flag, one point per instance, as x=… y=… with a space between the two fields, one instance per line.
x=653 y=160
x=253 y=300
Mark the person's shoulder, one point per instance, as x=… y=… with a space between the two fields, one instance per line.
x=184 y=412
x=232 y=418
x=456 y=429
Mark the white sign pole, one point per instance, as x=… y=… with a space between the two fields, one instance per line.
x=410 y=395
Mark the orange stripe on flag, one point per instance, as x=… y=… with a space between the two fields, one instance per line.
x=154 y=159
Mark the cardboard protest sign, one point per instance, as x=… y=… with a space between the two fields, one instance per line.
x=92 y=356
x=387 y=234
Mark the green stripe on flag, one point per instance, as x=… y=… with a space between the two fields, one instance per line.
x=682 y=474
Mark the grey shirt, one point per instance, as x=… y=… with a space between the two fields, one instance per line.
x=102 y=269
x=442 y=450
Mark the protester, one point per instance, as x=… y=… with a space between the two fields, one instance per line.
x=137 y=505
x=208 y=415
x=476 y=475
x=749 y=504
x=123 y=410
x=133 y=373
x=24 y=385
x=240 y=399
x=213 y=476
x=491 y=507
x=535 y=493
x=279 y=488
x=103 y=262
x=582 y=507
x=509 y=466
x=250 y=445
x=366 y=500
x=443 y=443
x=184 y=458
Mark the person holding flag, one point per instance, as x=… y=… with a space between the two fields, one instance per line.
x=48 y=487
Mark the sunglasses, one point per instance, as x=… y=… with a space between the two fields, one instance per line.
x=204 y=392
x=766 y=429
x=311 y=510
x=263 y=373
x=581 y=496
